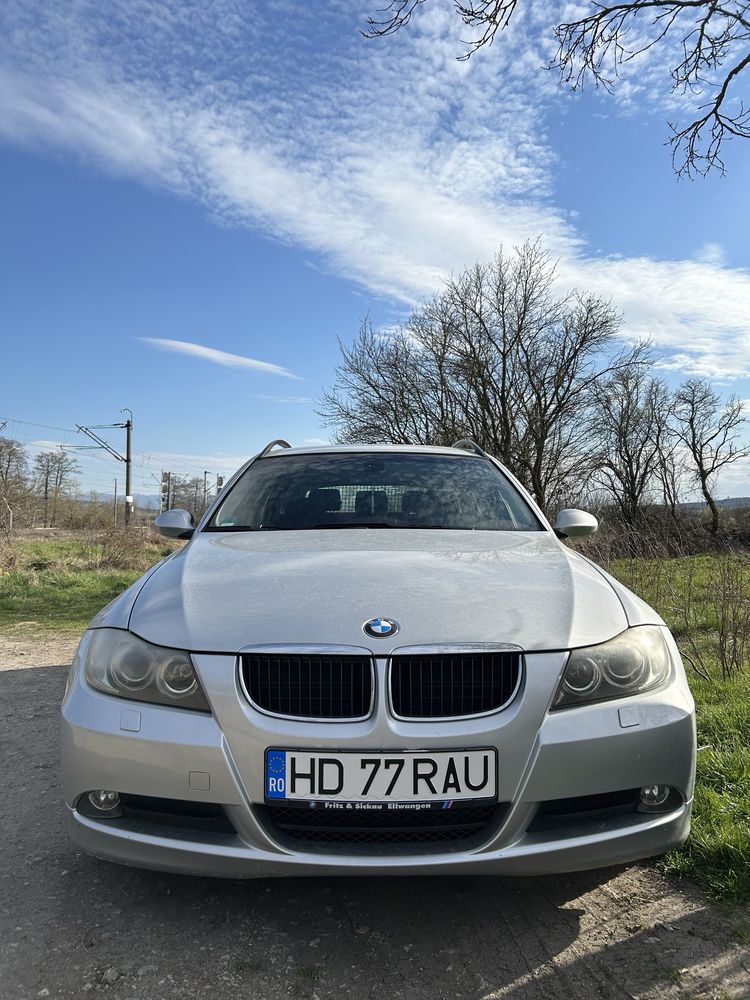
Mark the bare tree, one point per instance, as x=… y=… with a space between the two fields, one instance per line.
x=13 y=467
x=188 y=494
x=15 y=486
x=671 y=470
x=709 y=430
x=714 y=52
x=486 y=16
x=55 y=472
x=497 y=356
x=631 y=418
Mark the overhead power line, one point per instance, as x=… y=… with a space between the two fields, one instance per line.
x=30 y=423
x=127 y=458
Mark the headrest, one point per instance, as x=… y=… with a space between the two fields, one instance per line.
x=324 y=500
x=371 y=502
x=416 y=502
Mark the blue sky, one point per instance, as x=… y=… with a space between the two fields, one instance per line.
x=255 y=178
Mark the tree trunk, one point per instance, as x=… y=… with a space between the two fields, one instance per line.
x=714 y=529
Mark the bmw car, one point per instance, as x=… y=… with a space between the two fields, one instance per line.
x=377 y=660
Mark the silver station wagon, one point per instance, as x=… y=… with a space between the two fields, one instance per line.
x=377 y=660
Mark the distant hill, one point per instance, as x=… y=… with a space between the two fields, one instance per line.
x=728 y=504
x=143 y=500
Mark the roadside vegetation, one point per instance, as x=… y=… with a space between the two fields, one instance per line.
x=56 y=584
x=705 y=600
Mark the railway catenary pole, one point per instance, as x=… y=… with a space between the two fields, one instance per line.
x=128 y=465
x=127 y=458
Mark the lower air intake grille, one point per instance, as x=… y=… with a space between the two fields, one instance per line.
x=353 y=831
x=448 y=685
x=309 y=687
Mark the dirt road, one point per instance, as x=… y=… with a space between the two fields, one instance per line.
x=73 y=926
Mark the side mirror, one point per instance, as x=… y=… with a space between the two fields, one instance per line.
x=175 y=523
x=575 y=524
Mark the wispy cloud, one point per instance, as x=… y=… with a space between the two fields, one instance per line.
x=698 y=314
x=187 y=464
x=217 y=357
x=712 y=253
x=394 y=164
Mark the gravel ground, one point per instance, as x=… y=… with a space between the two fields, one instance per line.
x=71 y=925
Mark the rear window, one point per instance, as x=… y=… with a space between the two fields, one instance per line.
x=366 y=490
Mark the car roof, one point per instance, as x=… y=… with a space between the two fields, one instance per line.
x=408 y=449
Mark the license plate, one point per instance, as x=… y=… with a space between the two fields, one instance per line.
x=381 y=776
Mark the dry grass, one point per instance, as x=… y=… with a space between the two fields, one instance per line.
x=59 y=583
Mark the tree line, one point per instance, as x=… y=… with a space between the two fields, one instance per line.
x=34 y=493
x=546 y=383
x=44 y=491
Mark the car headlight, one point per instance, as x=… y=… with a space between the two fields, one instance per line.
x=634 y=661
x=119 y=663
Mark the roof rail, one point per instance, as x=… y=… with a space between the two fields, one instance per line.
x=466 y=444
x=272 y=444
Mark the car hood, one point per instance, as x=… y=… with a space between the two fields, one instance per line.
x=226 y=591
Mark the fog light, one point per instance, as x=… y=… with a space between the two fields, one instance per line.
x=654 y=795
x=104 y=801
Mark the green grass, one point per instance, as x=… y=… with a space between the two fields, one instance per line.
x=249 y=966
x=53 y=600
x=309 y=973
x=58 y=585
x=717 y=855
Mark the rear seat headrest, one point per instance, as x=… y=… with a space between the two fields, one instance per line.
x=324 y=501
x=371 y=502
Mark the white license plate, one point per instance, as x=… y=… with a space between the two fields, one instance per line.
x=381 y=775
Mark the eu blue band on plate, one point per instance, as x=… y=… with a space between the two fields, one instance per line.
x=276 y=774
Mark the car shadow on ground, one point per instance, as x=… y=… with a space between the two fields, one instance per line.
x=74 y=924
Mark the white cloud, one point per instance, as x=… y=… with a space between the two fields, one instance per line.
x=734 y=480
x=187 y=464
x=393 y=163
x=697 y=314
x=47 y=444
x=217 y=357
x=712 y=253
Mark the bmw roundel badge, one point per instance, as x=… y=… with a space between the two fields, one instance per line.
x=380 y=628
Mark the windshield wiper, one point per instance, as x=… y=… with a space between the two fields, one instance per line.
x=243 y=527
x=358 y=524
x=230 y=527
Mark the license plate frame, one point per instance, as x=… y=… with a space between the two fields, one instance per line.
x=345 y=798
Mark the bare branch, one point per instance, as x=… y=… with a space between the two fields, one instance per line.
x=398 y=13
x=486 y=16
x=715 y=45
x=498 y=357
x=709 y=432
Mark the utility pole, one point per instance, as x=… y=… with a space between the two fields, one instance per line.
x=205 y=489
x=114 y=505
x=127 y=458
x=128 y=465
x=165 y=497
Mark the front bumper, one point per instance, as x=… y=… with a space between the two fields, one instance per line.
x=150 y=750
x=652 y=837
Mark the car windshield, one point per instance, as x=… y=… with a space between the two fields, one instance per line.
x=373 y=490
